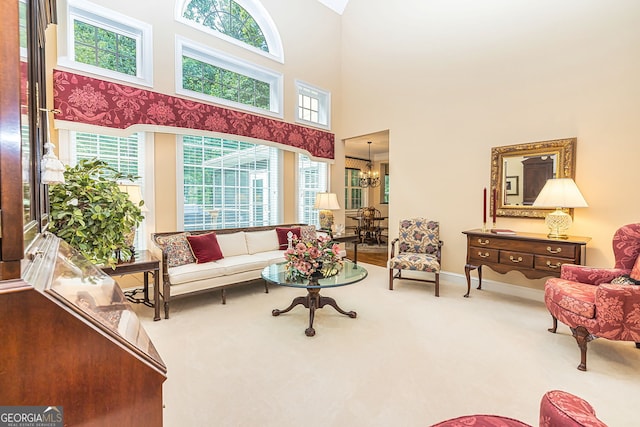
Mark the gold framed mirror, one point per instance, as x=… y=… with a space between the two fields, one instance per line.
x=518 y=173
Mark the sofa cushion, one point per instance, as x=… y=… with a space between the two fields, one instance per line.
x=233 y=244
x=192 y=272
x=177 y=248
x=577 y=298
x=205 y=247
x=283 y=239
x=271 y=257
x=242 y=263
x=262 y=241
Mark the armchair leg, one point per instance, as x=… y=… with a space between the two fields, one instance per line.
x=555 y=325
x=638 y=345
x=437 y=284
x=391 y=279
x=582 y=337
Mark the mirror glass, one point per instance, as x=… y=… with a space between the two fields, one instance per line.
x=518 y=173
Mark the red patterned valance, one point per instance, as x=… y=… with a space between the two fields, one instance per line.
x=98 y=102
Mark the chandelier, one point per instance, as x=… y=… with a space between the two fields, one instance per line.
x=369 y=178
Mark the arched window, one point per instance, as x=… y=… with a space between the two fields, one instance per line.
x=242 y=22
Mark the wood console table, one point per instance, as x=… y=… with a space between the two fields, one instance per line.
x=144 y=262
x=534 y=255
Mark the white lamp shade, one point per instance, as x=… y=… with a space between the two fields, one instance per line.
x=560 y=193
x=326 y=201
x=135 y=196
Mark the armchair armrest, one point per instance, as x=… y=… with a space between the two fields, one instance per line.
x=590 y=275
x=393 y=247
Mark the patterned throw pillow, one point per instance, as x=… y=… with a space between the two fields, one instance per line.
x=625 y=279
x=177 y=248
x=308 y=233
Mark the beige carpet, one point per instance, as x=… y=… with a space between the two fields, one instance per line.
x=408 y=359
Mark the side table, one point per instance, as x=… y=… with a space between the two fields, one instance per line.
x=348 y=238
x=143 y=262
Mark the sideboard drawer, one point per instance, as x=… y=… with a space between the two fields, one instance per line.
x=554 y=249
x=483 y=254
x=517 y=259
x=549 y=263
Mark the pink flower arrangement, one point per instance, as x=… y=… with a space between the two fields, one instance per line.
x=314 y=257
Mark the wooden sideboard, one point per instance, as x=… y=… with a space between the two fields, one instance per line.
x=534 y=255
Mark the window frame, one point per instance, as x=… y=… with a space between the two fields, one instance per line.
x=258 y=13
x=217 y=58
x=324 y=101
x=301 y=208
x=276 y=202
x=145 y=144
x=112 y=21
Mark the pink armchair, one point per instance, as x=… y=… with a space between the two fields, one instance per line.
x=557 y=409
x=585 y=299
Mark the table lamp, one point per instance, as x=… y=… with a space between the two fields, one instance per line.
x=326 y=202
x=559 y=193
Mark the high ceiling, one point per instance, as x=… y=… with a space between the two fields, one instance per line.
x=335 y=5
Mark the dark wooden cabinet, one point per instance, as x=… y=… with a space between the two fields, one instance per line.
x=534 y=255
x=535 y=173
x=69 y=338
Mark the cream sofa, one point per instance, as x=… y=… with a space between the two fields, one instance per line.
x=246 y=252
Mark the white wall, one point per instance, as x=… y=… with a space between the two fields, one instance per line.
x=452 y=78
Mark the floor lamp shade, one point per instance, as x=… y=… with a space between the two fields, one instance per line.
x=559 y=193
x=326 y=202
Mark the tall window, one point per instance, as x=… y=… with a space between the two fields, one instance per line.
x=312 y=179
x=215 y=76
x=229 y=183
x=314 y=105
x=125 y=154
x=101 y=41
x=208 y=79
x=352 y=191
x=245 y=23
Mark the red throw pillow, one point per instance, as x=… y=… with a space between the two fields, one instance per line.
x=205 y=247
x=635 y=271
x=283 y=240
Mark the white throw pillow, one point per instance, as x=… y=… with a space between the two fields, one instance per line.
x=262 y=241
x=233 y=244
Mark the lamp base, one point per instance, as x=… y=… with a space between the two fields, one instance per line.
x=558 y=223
x=326 y=219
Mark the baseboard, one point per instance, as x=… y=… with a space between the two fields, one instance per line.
x=494 y=286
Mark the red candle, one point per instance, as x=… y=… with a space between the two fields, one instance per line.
x=495 y=199
x=484 y=207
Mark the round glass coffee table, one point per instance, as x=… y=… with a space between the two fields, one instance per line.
x=350 y=273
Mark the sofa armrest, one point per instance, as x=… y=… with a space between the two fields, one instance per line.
x=590 y=275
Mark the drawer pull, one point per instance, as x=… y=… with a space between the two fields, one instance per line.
x=519 y=259
x=483 y=255
x=483 y=242
x=556 y=265
x=551 y=251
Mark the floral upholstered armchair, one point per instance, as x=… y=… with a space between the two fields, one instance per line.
x=557 y=409
x=419 y=249
x=600 y=302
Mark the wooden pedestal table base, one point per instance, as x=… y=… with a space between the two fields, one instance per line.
x=313 y=301
x=349 y=273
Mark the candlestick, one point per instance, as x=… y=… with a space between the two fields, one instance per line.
x=495 y=199
x=484 y=210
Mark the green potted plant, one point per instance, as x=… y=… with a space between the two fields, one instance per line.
x=92 y=214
